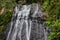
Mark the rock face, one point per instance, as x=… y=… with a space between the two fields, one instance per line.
x=28 y=23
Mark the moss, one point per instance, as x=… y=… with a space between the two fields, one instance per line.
x=4 y=19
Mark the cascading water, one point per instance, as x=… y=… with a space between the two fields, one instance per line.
x=25 y=24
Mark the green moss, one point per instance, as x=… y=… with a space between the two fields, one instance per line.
x=4 y=20
x=53 y=21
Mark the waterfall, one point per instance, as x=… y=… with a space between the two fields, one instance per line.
x=25 y=25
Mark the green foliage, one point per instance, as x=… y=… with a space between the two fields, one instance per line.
x=53 y=21
x=4 y=19
x=54 y=36
x=6 y=16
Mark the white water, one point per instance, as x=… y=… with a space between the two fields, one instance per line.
x=23 y=27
